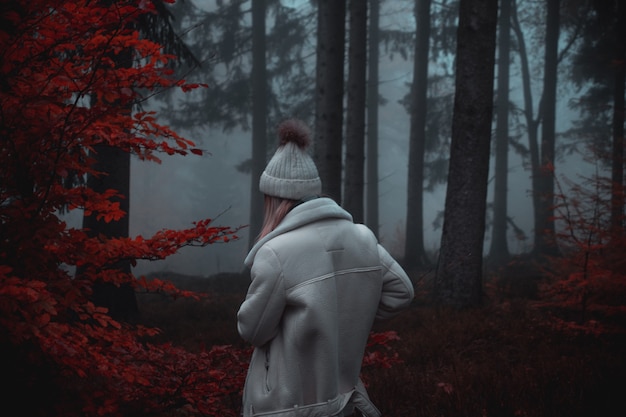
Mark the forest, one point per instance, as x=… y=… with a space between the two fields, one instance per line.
x=481 y=140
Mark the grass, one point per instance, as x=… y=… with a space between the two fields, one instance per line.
x=498 y=361
x=504 y=359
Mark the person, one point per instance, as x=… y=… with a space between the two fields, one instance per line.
x=318 y=282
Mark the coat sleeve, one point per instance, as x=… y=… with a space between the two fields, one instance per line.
x=397 y=292
x=259 y=315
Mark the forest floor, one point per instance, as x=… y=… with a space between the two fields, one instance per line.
x=507 y=358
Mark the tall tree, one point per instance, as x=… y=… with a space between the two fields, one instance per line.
x=499 y=252
x=222 y=38
x=329 y=94
x=414 y=252
x=259 y=116
x=533 y=122
x=619 y=114
x=439 y=105
x=458 y=279
x=258 y=75
x=599 y=64
x=371 y=209
x=545 y=243
x=56 y=55
x=355 y=117
x=114 y=163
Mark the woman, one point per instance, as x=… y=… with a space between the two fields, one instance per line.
x=318 y=283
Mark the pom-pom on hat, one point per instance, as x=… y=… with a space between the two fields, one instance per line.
x=291 y=173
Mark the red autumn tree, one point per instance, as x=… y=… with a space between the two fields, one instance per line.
x=62 y=95
x=589 y=280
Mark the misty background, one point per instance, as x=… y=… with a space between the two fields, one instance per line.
x=181 y=190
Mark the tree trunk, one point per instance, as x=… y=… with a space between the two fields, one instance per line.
x=545 y=243
x=617 y=170
x=414 y=253
x=114 y=163
x=458 y=281
x=329 y=95
x=499 y=252
x=371 y=212
x=532 y=124
x=355 y=118
x=121 y=301
x=259 y=116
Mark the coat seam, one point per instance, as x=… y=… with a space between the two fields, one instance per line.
x=334 y=274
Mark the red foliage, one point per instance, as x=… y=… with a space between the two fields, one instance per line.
x=589 y=278
x=379 y=353
x=61 y=95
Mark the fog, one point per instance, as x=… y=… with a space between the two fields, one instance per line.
x=181 y=190
x=184 y=189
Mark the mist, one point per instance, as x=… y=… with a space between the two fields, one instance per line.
x=181 y=190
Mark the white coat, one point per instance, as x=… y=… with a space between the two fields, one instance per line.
x=318 y=283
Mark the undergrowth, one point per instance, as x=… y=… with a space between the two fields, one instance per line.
x=504 y=359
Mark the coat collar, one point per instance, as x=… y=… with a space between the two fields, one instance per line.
x=304 y=213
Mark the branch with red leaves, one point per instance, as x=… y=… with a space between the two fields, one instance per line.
x=62 y=95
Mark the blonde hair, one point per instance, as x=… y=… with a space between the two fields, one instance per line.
x=275 y=210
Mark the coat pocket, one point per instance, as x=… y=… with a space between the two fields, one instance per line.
x=268 y=386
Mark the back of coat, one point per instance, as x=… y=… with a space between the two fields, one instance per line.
x=316 y=290
x=333 y=287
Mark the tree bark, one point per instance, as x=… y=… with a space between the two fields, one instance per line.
x=499 y=252
x=259 y=116
x=414 y=252
x=545 y=243
x=329 y=95
x=372 y=211
x=355 y=118
x=115 y=163
x=458 y=280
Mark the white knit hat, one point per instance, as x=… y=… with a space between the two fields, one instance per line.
x=291 y=173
